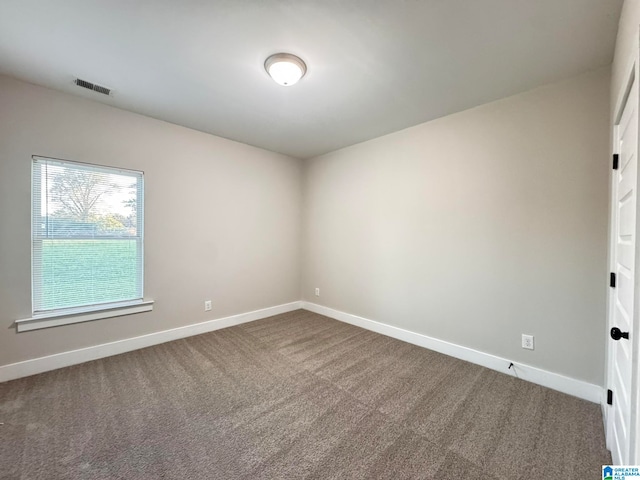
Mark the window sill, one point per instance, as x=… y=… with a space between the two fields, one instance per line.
x=48 y=320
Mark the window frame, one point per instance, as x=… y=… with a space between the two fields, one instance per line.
x=63 y=316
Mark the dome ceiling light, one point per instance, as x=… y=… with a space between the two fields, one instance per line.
x=285 y=69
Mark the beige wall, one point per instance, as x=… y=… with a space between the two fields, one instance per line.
x=475 y=228
x=222 y=219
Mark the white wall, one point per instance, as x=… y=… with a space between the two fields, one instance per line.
x=475 y=228
x=222 y=219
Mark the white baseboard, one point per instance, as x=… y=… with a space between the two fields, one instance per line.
x=73 y=357
x=555 y=381
x=561 y=383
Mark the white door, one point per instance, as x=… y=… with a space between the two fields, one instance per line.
x=621 y=417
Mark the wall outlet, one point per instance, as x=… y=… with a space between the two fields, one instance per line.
x=207 y=305
x=527 y=341
x=317 y=292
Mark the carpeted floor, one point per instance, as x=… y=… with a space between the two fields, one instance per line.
x=292 y=396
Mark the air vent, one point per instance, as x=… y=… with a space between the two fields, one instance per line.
x=92 y=86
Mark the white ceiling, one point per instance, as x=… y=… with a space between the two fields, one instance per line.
x=374 y=66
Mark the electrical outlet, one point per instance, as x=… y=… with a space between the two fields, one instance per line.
x=317 y=292
x=207 y=305
x=527 y=341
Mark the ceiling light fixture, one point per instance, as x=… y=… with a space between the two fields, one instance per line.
x=285 y=69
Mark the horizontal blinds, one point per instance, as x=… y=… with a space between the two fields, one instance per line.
x=87 y=245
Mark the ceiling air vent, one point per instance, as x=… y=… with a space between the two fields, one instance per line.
x=92 y=86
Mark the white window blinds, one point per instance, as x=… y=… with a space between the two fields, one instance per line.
x=87 y=235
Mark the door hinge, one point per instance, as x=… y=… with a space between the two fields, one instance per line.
x=615 y=161
x=612 y=280
x=609 y=397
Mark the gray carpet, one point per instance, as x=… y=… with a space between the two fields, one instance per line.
x=292 y=396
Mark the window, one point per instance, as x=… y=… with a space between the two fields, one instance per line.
x=87 y=239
